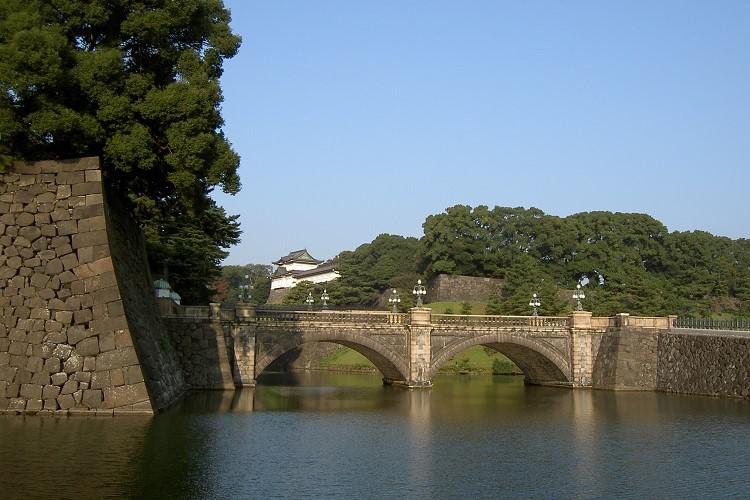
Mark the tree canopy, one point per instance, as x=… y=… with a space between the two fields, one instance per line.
x=389 y=261
x=137 y=84
x=627 y=262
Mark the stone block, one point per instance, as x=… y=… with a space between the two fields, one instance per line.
x=50 y=404
x=116 y=359
x=64 y=317
x=23 y=376
x=100 y=380
x=93 y=398
x=70 y=387
x=18 y=404
x=24 y=219
x=31 y=391
x=50 y=392
x=66 y=401
x=52 y=365
x=73 y=364
x=59 y=378
x=117 y=376
x=69 y=261
x=115 y=397
x=106 y=341
x=31 y=233
x=34 y=405
x=133 y=374
x=35 y=364
x=88 y=347
x=89 y=239
x=57 y=337
x=77 y=333
x=82 y=316
x=40 y=378
x=107 y=295
x=86 y=212
x=85 y=188
x=62 y=351
x=39 y=280
x=18 y=348
x=89 y=364
x=85 y=255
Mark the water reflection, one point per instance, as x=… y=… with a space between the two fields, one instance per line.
x=72 y=457
x=343 y=435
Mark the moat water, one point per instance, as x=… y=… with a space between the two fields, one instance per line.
x=336 y=436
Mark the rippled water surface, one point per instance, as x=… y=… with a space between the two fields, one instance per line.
x=331 y=435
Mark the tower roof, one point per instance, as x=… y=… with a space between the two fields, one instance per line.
x=298 y=256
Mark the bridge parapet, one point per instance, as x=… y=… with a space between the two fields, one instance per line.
x=347 y=317
x=502 y=321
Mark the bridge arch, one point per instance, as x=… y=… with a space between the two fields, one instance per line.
x=392 y=366
x=540 y=363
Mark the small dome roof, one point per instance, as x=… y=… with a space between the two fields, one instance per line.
x=162 y=284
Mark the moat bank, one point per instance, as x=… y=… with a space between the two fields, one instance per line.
x=335 y=435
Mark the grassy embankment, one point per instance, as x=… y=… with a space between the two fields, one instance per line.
x=477 y=359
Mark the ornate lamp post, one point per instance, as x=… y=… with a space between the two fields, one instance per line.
x=309 y=300
x=394 y=300
x=324 y=299
x=418 y=291
x=535 y=303
x=246 y=288
x=579 y=296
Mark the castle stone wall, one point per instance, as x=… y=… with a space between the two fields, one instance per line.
x=80 y=330
x=712 y=363
x=447 y=288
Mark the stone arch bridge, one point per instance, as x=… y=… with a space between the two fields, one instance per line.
x=407 y=348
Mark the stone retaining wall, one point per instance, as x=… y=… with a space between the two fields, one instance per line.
x=713 y=363
x=626 y=359
x=447 y=288
x=80 y=331
x=205 y=351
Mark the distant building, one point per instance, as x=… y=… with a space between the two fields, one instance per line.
x=301 y=266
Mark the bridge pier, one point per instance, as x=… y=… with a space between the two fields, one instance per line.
x=244 y=346
x=581 y=349
x=419 y=347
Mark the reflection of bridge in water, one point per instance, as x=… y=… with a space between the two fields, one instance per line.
x=409 y=348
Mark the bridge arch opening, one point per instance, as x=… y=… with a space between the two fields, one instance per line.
x=393 y=369
x=539 y=363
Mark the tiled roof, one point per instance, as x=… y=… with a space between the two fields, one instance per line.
x=298 y=256
x=325 y=268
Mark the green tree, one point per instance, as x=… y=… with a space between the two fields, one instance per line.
x=229 y=286
x=137 y=84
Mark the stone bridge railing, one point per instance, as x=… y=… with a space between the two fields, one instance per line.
x=348 y=317
x=501 y=321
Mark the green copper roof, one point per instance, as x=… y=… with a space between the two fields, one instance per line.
x=162 y=284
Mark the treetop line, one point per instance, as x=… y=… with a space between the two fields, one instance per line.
x=138 y=86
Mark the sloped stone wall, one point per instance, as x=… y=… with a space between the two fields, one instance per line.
x=205 y=351
x=712 y=363
x=447 y=288
x=80 y=330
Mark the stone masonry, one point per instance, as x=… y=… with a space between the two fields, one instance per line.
x=446 y=287
x=80 y=330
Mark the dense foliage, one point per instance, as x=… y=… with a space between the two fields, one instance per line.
x=229 y=287
x=389 y=261
x=137 y=84
x=627 y=262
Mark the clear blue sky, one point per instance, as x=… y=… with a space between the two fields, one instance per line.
x=357 y=118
